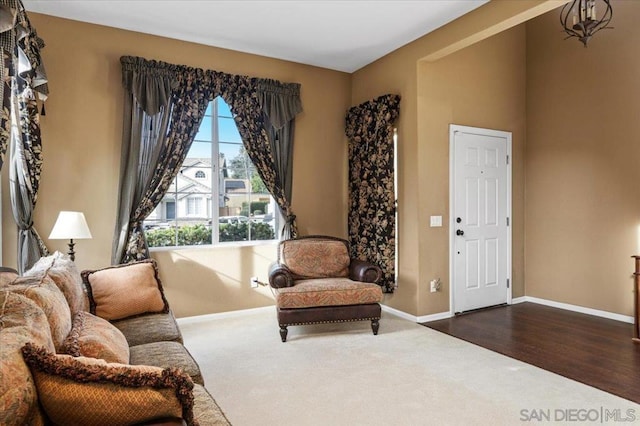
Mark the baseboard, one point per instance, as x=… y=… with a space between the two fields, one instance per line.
x=575 y=308
x=399 y=313
x=427 y=318
x=413 y=318
x=222 y=315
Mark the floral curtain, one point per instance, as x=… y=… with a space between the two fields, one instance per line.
x=241 y=95
x=372 y=204
x=23 y=83
x=186 y=93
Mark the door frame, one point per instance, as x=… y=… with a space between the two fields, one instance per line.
x=453 y=128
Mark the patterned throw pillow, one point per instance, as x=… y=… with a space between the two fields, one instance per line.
x=64 y=273
x=21 y=321
x=50 y=299
x=94 y=337
x=127 y=290
x=88 y=391
x=6 y=276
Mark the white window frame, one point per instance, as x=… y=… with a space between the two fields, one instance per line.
x=195 y=206
x=215 y=194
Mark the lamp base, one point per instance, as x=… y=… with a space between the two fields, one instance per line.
x=71 y=253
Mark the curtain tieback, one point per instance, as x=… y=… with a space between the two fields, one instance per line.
x=290 y=219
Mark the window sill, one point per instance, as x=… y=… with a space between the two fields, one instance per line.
x=220 y=246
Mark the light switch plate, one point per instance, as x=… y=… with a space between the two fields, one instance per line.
x=436 y=221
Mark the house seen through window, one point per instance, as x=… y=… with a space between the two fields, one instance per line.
x=217 y=195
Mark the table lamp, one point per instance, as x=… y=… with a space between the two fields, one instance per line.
x=70 y=225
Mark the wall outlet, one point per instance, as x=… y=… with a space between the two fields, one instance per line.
x=435 y=285
x=254 y=282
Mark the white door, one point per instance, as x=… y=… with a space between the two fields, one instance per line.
x=480 y=215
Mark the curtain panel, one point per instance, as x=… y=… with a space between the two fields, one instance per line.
x=164 y=105
x=372 y=204
x=24 y=82
x=280 y=103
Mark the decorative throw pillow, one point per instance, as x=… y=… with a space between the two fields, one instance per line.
x=88 y=391
x=94 y=337
x=64 y=273
x=21 y=321
x=7 y=275
x=50 y=299
x=127 y=290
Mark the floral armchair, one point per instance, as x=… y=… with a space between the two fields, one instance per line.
x=316 y=281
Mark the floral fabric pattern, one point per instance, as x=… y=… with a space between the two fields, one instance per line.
x=50 y=299
x=327 y=292
x=22 y=321
x=23 y=80
x=372 y=231
x=94 y=337
x=19 y=49
x=64 y=273
x=315 y=258
x=191 y=90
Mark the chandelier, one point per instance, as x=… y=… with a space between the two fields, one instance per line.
x=582 y=18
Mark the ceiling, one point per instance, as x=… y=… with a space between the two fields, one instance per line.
x=339 y=35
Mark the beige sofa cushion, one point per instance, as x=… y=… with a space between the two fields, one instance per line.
x=42 y=290
x=315 y=257
x=64 y=273
x=21 y=321
x=127 y=290
x=88 y=391
x=149 y=328
x=94 y=337
x=166 y=354
x=328 y=292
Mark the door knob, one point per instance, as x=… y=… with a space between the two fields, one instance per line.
x=460 y=232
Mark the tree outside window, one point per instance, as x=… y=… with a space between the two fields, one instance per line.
x=243 y=209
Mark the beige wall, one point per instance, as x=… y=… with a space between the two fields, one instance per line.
x=582 y=160
x=423 y=153
x=82 y=137
x=480 y=86
x=575 y=203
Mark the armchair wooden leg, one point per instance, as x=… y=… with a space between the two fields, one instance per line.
x=375 y=325
x=283 y=333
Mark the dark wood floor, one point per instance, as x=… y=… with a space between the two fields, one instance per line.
x=595 y=351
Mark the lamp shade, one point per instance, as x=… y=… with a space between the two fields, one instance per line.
x=70 y=225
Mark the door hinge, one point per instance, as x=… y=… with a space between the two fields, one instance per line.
x=507 y=159
x=508 y=283
x=507 y=221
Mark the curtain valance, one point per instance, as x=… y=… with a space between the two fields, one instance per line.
x=150 y=82
x=280 y=101
x=174 y=98
x=21 y=66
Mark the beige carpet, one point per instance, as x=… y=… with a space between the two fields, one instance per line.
x=341 y=374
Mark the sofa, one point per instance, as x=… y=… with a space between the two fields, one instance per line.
x=100 y=347
x=316 y=281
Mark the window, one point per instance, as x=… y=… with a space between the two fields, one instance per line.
x=217 y=196
x=194 y=206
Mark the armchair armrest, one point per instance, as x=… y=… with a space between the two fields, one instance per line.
x=360 y=270
x=280 y=276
